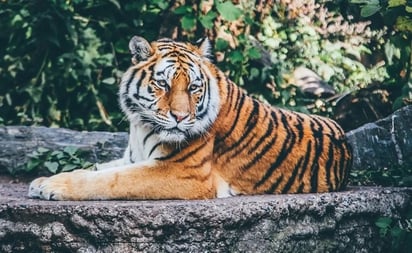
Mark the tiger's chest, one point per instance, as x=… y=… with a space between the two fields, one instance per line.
x=143 y=145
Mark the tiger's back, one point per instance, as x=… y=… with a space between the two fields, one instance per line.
x=262 y=149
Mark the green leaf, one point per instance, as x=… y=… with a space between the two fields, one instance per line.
x=183 y=10
x=109 y=80
x=370 y=9
x=394 y=3
x=404 y=24
x=383 y=222
x=121 y=46
x=229 y=11
x=52 y=166
x=86 y=165
x=207 y=20
x=161 y=4
x=69 y=167
x=396 y=232
x=253 y=53
x=32 y=164
x=254 y=73
x=115 y=3
x=70 y=150
x=236 y=56
x=221 y=44
x=188 y=22
x=42 y=150
x=55 y=153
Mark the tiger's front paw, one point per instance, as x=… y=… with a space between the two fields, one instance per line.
x=58 y=187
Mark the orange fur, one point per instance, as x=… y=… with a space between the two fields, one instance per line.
x=249 y=148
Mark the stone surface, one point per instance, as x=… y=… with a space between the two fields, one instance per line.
x=384 y=143
x=18 y=141
x=330 y=222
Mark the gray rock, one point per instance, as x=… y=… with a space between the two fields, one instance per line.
x=18 y=141
x=330 y=222
x=386 y=143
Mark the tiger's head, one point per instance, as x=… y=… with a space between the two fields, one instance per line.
x=172 y=88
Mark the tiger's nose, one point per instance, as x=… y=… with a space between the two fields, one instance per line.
x=179 y=116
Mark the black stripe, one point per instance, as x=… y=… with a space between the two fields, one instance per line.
x=343 y=163
x=178 y=151
x=148 y=136
x=131 y=78
x=261 y=138
x=318 y=137
x=284 y=151
x=154 y=148
x=201 y=164
x=229 y=95
x=302 y=167
x=136 y=96
x=168 y=156
x=130 y=155
x=267 y=147
x=275 y=185
x=299 y=126
x=269 y=131
x=264 y=150
x=179 y=53
x=250 y=125
x=328 y=166
x=202 y=113
x=241 y=148
x=292 y=178
x=189 y=154
x=300 y=189
x=307 y=159
x=338 y=140
x=240 y=102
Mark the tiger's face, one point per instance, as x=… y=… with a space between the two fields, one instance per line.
x=170 y=89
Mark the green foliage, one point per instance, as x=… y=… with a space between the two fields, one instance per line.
x=399 y=176
x=62 y=60
x=55 y=161
x=397 y=18
x=398 y=232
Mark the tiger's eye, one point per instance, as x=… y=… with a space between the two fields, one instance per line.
x=161 y=83
x=194 y=88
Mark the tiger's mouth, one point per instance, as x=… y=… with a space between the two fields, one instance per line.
x=175 y=130
x=172 y=134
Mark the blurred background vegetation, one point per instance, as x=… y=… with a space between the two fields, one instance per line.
x=61 y=61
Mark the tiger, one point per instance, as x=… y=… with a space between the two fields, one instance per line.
x=194 y=134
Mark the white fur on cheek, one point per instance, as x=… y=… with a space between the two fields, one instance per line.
x=213 y=100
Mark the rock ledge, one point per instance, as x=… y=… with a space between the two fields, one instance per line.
x=329 y=222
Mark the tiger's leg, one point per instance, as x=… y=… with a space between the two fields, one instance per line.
x=108 y=165
x=135 y=181
x=115 y=163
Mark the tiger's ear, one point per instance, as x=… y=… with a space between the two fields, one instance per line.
x=140 y=49
x=205 y=47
